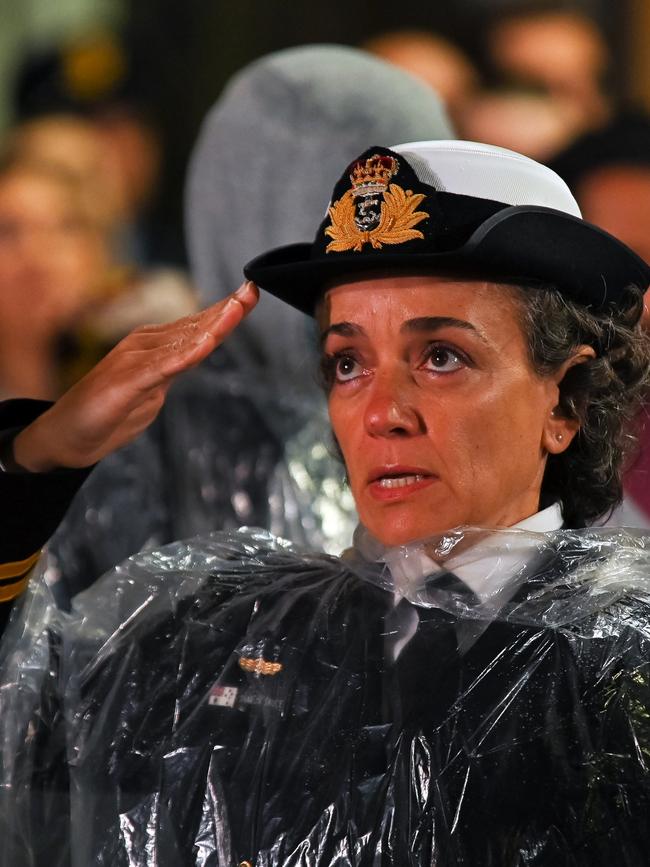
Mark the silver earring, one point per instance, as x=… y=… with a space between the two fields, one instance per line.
x=560 y=437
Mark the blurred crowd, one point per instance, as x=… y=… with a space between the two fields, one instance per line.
x=80 y=265
x=78 y=171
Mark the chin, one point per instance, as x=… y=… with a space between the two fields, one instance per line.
x=412 y=520
x=403 y=532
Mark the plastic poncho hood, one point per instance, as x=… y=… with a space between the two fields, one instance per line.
x=267 y=156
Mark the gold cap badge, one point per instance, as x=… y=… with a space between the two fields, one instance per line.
x=374 y=211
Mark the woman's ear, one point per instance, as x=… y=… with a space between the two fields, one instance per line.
x=560 y=429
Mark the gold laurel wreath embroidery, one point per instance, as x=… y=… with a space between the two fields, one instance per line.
x=398 y=216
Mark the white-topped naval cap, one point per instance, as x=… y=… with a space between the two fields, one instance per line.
x=488 y=172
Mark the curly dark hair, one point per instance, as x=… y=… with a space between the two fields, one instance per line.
x=604 y=394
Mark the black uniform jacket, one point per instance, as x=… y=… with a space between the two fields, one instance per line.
x=248 y=713
x=33 y=504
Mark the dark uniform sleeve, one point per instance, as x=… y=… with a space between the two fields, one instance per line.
x=33 y=504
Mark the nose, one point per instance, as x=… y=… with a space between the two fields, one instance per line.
x=391 y=409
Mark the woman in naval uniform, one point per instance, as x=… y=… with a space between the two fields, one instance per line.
x=468 y=685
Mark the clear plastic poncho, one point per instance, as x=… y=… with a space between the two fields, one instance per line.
x=480 y=699
x=228 y=449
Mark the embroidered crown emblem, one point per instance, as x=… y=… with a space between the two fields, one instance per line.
x=374 y=211
x=373 y=175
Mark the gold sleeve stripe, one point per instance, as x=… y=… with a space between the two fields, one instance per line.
x=12 y=590
x=18 y=569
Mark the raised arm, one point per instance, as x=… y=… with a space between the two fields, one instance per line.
x=48 y=449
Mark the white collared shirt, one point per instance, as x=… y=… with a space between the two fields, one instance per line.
x=491 y=569
x=490 y=574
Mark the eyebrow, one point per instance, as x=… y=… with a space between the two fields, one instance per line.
x=344 y=329
x=435 y=323
x=421 y=323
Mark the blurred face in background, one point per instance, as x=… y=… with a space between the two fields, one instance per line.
x=534 y=124
x=561 y=51
x=73 y=145
x=617 y=198
x=432 y=59
x=115 y=156
x=52 y=251
x=440 y=417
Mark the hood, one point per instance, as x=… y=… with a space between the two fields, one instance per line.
x=265 y=162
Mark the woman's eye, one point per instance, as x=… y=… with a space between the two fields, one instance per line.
x=443 y=359
x=346 y=368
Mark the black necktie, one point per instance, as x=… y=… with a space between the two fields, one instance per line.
x=420 y=679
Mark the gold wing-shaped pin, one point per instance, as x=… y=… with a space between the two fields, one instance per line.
x=398 y=216
x=343 y=230
x=260 y=666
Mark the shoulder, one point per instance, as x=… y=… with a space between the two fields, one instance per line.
x=33 y=505
x=202 y=577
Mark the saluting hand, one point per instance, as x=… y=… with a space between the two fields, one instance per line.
x=124 y=393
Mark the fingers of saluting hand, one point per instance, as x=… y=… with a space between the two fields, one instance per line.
x=165 y=351
x=247 y=296
x=123 y=394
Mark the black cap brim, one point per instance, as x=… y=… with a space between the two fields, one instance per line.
x=521 y=244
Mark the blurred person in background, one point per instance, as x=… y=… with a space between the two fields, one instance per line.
x=302 y=110
x=53 y=253
x=532 y=123
x=433 y=59
x=125 y=294
x=548 y=69
x=95 y=76
x=521 y=114
x=244 y=439
x=558 y=51
x=71 y=143
x=609 y=173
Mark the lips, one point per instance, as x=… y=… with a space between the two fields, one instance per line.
x=396 y=481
